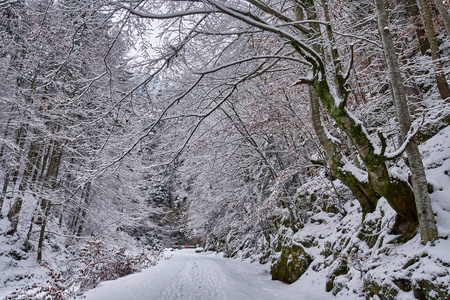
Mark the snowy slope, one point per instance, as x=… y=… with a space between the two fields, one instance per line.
x=369 y=252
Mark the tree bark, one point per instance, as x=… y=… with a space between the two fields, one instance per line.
x=363 y=191
x=2 y=150
x=13 y=213
x=421 y=35
x=444 y=14
x=86 y=196
x=439 y=74
x=427 y=225
x=49 y=184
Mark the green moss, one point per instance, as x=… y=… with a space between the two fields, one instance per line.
x=411 y=262
x=369 y=231
x=309 y=241
x=425 y=289
x=317 y=221
x=428 y=131
x=403 y=283
x=341 y=269
x=384 y=291
x=329 y=207
x=291 y=264
x=328 y=250
x=265 y=258
x=329 y=285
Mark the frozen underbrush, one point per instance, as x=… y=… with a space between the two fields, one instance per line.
x=71 y=265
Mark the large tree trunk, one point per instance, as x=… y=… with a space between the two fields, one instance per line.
x=428 y=230
x=439 y=74
x=397 y=192
x=363 y=191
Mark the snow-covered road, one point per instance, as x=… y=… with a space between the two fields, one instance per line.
x=200 y=276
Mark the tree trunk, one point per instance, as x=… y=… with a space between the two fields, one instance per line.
x=13 y=214
x=439 y=74
x=428 y=230
x=444 y=14
x=4 y=190
x=397 y=192
x=86 y=199
x=20 y=142
x=13 y=171
x=49 y=184
x=363 y=191
x=421 y=35
x=2 y=150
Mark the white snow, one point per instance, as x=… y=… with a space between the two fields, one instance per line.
x=202 y=276
x=360 y=175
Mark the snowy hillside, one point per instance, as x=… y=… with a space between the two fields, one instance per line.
x=364 y=259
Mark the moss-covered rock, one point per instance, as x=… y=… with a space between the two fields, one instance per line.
x=430 y=290
x=341 y=269
x=403 y=283
x=309 y=241
x=291 y=263
x=384 y=291
x=328 y=250
x=329 y=207
x=370 y=231
x=429 y=130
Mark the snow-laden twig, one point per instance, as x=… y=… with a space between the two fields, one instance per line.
x=411 y=134
x=307 y=52
x=253 y=58
x=163 y=16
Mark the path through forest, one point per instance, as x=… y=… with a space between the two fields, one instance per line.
x=201 y=276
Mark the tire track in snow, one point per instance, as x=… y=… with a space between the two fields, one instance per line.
x=197 y=280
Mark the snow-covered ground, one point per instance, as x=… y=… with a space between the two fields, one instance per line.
x=202 y=276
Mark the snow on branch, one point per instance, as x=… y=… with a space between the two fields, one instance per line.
x=225 y=33
x=264 y=7
x=358 y=38
x=411 y=134
x=307 y=52
x=147 y=15
x=360 y=175
x=253 y=58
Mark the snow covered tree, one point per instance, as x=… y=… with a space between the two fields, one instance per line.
x=428 y=230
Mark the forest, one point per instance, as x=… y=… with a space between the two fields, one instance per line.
x=309 y=135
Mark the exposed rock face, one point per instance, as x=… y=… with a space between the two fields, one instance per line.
x=291 y=264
